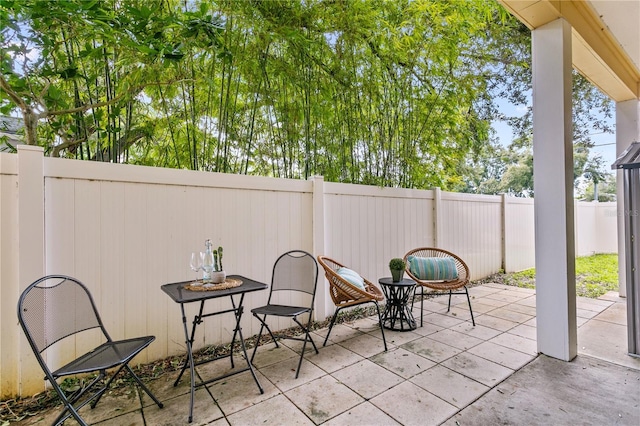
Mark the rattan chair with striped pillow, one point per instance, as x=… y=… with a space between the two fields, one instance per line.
x=439 y=270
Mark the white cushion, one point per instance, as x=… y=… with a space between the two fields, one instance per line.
x=352 y=277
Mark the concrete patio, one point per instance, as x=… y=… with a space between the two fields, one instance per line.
x=446 y=372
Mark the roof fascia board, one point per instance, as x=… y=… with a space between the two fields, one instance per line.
x=617 y=77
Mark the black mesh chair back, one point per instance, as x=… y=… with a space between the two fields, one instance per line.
x=56 y=307
x=294 y=271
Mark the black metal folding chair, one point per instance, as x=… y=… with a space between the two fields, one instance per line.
x=294 y=271
x=56 y=307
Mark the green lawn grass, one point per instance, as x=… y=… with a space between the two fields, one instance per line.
x=595 y=275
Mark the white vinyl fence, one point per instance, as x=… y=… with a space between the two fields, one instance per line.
x=125 y=230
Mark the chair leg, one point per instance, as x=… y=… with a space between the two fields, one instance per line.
x=68 y=401
x=470 y=310
x=449 y=305
x=421 y=306
x=69 y=410
x=413 y=301
x=307 y=338
x=413 y=298
x=300 y=360
x=80 y=393
x=333 y=320
x=101 y=392
x=384 y=340
x=263 y=325
x=307 y=334
x=255 y=347
x=144 y=388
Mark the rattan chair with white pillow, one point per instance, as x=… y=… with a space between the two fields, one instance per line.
x=345 y=293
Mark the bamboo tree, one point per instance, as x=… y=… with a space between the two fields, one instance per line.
x=395 y=93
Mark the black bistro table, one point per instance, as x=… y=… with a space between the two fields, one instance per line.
x=180 y=294
x=397 y=314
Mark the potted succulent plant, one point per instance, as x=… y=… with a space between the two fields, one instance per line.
x=213 y=272
x=396 y=266
x=218 y=275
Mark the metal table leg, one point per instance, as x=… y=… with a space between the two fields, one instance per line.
x=190 y=363
x=238 y=331
x=396 y=310
x=189 y=360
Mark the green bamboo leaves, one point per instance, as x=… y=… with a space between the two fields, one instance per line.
x=389 y=93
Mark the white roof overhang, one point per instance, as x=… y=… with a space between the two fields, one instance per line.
x=605 y=38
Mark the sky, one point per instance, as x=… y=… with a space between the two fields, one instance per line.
x=606 y=147
x=605 y=143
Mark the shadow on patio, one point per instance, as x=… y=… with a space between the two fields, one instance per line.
x=446 y=372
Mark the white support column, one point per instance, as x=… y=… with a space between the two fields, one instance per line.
x=553 y=183
x=627 y=131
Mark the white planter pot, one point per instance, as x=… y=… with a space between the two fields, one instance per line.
x=218 y=277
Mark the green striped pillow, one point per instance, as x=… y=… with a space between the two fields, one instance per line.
x=433 y=268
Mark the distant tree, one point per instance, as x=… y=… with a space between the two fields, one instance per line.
x=517 y=179
x=591 y=113
x=593 y=172
x=483 y=169
x=606 y=189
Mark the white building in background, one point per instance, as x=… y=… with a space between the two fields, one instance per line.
x=10 y=132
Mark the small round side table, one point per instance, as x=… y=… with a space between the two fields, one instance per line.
x=397 y=315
